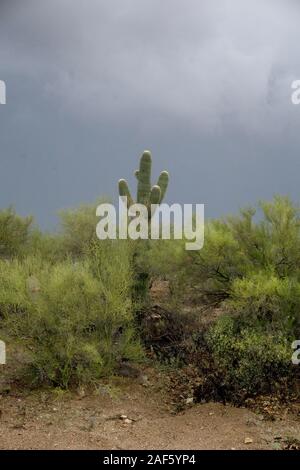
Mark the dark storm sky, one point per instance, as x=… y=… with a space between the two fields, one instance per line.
x=205 y=85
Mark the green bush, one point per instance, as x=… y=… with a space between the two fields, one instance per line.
x=14 y=233
x=50 y=247
x=78 y=228
x=246 y=244
x=253 y=345
x=80 y=323
x=13 y=294
x=75 y=235
x=265 y=301
x=70 y=300
x=250 y=268
x=250 y=361
x=221 y=260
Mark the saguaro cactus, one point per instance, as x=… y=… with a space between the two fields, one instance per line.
x=146 y=194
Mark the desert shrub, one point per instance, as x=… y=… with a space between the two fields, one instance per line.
x=78 y=228
x=265 y=301
x=251 y=343
x=213 y=269
x=80 y=323
x=47 y=246
x=165 y=258
x=160 y=260
x=250 y=361
x=249 y=268
x=273 y=240
x=248 y=243
x=13 y=294
x=14 y=233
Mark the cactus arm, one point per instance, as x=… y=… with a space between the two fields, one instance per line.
x=146 y=194
x=163 y=182
x=144 y=177
x=155 y=195
x=124 y=191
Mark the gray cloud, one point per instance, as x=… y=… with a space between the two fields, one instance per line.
x=204 y=84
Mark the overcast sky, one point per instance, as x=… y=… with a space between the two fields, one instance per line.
x=204 y=84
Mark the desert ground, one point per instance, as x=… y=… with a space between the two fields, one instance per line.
x=121 y=413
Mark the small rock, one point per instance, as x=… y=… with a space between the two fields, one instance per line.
x=189 y=400
x=248 y=440
x=127 y=421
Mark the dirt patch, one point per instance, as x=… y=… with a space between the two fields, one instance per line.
x=123 y=414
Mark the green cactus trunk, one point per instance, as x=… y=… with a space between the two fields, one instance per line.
x=143 y=176
x=147 y=196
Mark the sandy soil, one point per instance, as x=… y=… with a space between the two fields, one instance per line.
x=57 y=420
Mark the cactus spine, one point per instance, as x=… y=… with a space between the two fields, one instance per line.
x=146 y=194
